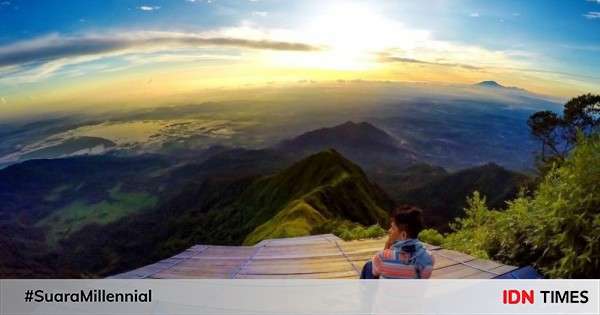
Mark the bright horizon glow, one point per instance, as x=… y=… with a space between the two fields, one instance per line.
x=137 y=56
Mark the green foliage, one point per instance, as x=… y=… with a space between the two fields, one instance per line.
x=557 y=228
x=298 y=219
x=348 y=230
x=471 y=232
x=431 y=236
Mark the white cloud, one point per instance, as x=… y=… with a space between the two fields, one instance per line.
x=597 y=1
x=149 y=8
x=592 y=15
x=55 y=46
x=43 y=57
x=474 y=14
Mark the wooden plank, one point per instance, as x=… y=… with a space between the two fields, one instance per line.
x=503 y=269
x=483 y=264
x=127 y=275
x=480 y=275
x=299 y=243
x=216 y=258
x=458 y=271
x=186 y=254
x=300 y=261
x=443 y=262
x=295 y=269
x=299 y=247
x=207 y=264
x=453 y=255
x=360 y=257
x=240 y=251
x=213 y=275
x=200 y=269
x=294 y=253
x=196 y=271
x=197 y=248
x=325 y=275
x=298 y=256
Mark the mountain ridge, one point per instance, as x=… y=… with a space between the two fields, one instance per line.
x=367 y=145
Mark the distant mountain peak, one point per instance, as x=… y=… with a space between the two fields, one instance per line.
x=349 y=134
x=496 y=85
x=361 y=142
x=492 y=84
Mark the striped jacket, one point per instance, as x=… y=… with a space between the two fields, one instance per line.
x=407 y=259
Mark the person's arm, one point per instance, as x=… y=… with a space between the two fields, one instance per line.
x=376 y=265
x=378 y=260
x=385 y=264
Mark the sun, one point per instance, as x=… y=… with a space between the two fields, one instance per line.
x=351 y=27
x=351 y=36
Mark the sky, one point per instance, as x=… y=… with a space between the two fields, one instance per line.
x=99 y=52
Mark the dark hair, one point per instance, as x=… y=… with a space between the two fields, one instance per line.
x=408 y=218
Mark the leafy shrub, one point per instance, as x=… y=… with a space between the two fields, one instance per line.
x=557 y=229
x=347 y=230
x=431 y=236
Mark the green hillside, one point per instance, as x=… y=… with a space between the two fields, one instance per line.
x=321 y=187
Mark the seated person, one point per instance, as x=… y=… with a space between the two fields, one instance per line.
x=404 y=256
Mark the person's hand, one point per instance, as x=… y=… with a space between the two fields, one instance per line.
x=388 y=243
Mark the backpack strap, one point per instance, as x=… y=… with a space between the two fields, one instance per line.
x=412 y=249
x=418 y=272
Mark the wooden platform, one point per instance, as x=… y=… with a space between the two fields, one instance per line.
x=310 y=257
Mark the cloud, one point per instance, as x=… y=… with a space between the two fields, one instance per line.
x=149 y=8
x=592 y=15
x=474 y=14
x=597 y=1
x=53 y=47
x=3 y=100
x=384 y=57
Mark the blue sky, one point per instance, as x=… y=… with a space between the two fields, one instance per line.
x=557 y=42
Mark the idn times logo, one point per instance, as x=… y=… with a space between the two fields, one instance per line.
x=513 y=296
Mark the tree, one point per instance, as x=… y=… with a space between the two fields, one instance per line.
x=558 y=135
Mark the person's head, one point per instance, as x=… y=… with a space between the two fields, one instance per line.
x=406 y=222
